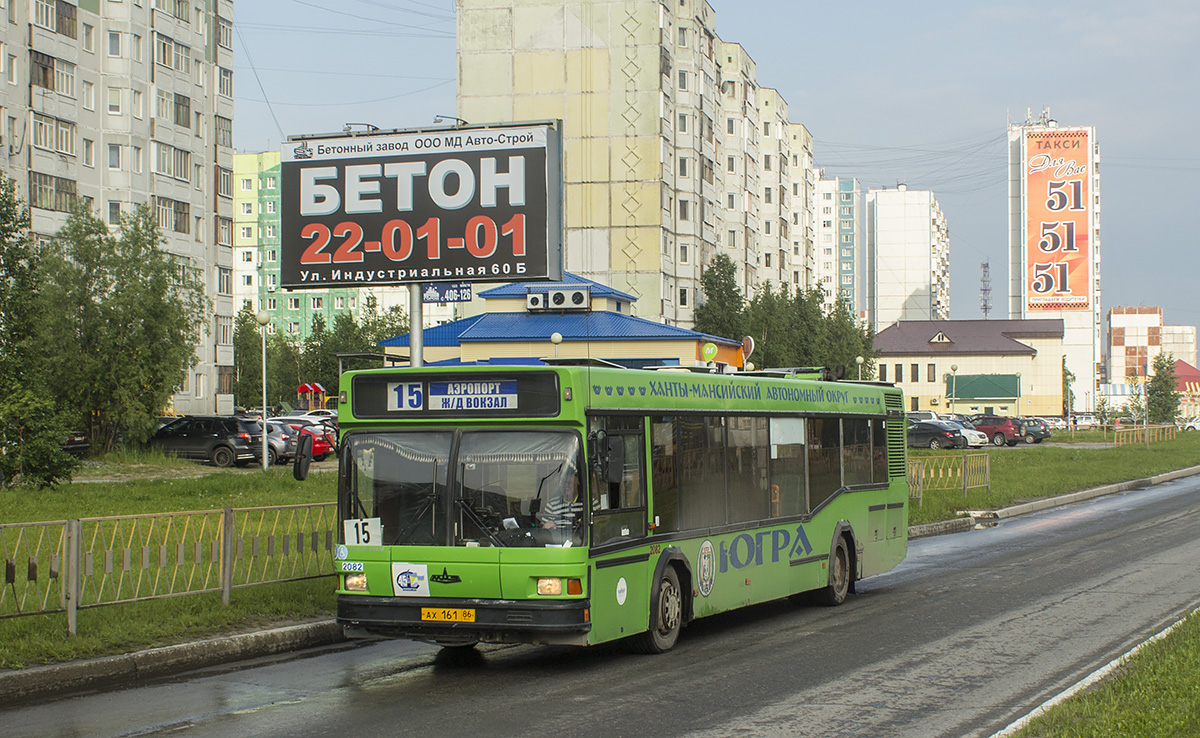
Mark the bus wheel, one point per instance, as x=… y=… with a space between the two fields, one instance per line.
x=667 y=618
x=839 y=575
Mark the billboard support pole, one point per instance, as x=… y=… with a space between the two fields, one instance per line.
x=416 y=331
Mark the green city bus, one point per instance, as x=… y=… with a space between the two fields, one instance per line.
x=582 y=503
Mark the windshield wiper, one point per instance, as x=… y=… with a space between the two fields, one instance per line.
x=478 y=521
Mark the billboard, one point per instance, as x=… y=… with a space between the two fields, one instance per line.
x=465 y=204
x=1058 y=218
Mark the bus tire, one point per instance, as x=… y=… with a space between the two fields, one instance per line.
x=835 y=592
x=667 y=619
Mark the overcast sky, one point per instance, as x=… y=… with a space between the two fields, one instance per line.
x=917 y=93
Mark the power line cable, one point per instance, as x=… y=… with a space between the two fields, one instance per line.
x=270 y=108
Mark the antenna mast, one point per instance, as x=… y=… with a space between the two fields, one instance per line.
x=985 y=289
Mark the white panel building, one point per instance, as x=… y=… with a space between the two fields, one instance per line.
x=908 y=257
x=124 y=103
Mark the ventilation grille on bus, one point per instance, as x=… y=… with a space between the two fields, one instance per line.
x=897 y=435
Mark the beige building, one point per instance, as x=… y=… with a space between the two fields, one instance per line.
x=1003 y=367
x=1136 y=335
x=666 y=138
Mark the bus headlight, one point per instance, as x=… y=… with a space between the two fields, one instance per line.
x=553 y=586
x=356 y=582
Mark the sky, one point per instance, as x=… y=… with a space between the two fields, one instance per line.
x=919 y=93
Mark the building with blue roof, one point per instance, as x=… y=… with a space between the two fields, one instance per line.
x=591 y=320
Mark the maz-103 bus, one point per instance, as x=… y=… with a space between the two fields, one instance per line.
x=578 y=504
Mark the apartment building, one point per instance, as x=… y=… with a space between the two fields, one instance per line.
x=119 y=104
x=839 y=241
x=908 y=257
x=667 y=136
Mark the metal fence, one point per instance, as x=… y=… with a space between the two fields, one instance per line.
x=66 y=565
x=957 y=472
x=1125 y=435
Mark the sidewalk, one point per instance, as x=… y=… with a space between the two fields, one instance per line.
x=40 y=682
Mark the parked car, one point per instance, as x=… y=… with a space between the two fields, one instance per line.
x=915 y=415
x=281 y=443
x=975 y=438
x=223 y=440
x=1034 y=430
x=1083 y=420
x=324 y=436
x=1002 y=430
x=934 y=434
x=76 y=443
x=1190 y=424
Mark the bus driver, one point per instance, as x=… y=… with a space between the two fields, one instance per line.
x=565 y=510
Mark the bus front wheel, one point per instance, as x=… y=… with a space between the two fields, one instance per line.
x=667 y=617
x=839 y=575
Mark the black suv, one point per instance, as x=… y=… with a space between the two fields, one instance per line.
x=224 y=441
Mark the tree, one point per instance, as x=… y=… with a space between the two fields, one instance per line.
x=130 y=313
x=723 y=309
x=1103 y=411
x=31 y=427
x=1068 y=378
x=379 y=325
x=247 y=353
x=1162 y=398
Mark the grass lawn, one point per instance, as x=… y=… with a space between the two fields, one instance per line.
x=1156 y=694
x=1024 y=473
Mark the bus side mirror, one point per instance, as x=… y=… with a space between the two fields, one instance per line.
x=614 y=470
x=303 y=457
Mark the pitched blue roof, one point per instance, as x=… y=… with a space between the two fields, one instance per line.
x=445 y=334
x=520 y=289
x=583 y=326
x=598 y=326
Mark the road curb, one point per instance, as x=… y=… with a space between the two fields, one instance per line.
x=961 y=525
x=56 y=679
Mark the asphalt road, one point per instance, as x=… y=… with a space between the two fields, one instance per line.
x=971 y=632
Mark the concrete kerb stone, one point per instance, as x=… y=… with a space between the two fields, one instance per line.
x=964 y=524
x=56 y=679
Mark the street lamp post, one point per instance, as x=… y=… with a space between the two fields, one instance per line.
x=953 y=381
x=556 y=338
x=262 y=318
x=859 y=360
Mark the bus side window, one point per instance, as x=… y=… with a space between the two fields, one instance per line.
x=619 y=507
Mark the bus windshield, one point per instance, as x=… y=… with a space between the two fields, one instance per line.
x=491 y=488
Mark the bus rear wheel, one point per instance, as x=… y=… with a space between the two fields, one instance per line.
x=667 y=618
x=839 y=575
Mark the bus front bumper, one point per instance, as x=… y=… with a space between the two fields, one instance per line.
x=551 y=622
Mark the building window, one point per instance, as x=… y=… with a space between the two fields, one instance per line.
x=683 y=253
x=114 y=213
x=114 y=101
x=732 y=200
x=114 y=43
x=89 y=153
x=729 y=126
x=114 y=156
x=224 y=231
x=224 y=131
x=883 y=372
x=767 y=162
x=293 y=303
x=182 y=110
x=846 y=197
x=682 y=80
x=247 y=232
x=899 y=372
x=225 y=330
x=930 y=373
x=293 y=327
x=914 y=375
x=247 y=208
x=224 y=33
x=225 y=82
x=246 y=184
x=89 y=37
x=135 y=47
x=684 y=207
x=270 y=183
x=767 y=196
x=339 y=303
x=224 y=182
x=317 y=303
x=248 y=280
x=51 y=193
x=683 y=297
x=224 y=281
x=270 y=206
x=729 y=164
x=271 y=255
x=270 y=231
x=683 y=167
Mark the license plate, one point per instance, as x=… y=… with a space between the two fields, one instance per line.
x=448 y=614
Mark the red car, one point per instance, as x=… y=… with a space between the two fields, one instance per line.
x=324 y=437
x=1000 y=429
